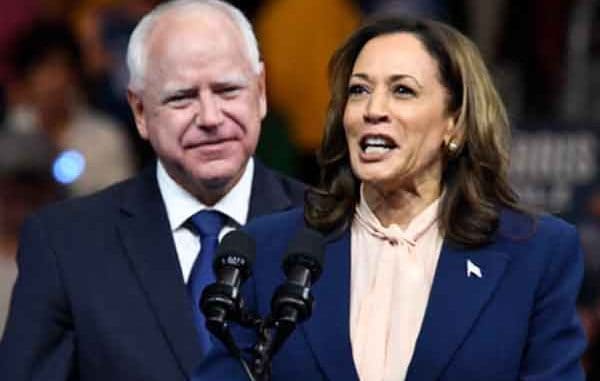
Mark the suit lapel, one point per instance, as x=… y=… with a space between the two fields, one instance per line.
x=144 y=229
x=454 y=304
x=145 y=232
x=329 y=326
x=268 y=195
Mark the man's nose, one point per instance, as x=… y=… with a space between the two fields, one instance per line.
x=209 y=112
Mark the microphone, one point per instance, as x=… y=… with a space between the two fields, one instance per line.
x=221 y=301
x=234 y=258
x=293 y=302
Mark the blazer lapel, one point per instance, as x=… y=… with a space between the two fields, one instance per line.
x=329 y=326
x=148 y=243
x=454 y=304
x=268 y=195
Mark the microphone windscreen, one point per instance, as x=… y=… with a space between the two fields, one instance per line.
x=306 y=249
x=236 y=249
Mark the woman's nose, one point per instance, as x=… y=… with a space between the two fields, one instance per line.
x=376 y=109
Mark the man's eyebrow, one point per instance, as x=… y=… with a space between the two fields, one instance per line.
x=178 y=93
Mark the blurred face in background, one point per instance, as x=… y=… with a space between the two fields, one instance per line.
x=396 y=119
x=50 y=83
x=202 y=102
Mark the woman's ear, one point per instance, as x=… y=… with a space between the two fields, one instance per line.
x=451 y=128
x=454 y=135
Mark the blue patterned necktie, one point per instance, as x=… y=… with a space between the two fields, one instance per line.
x=208 y=224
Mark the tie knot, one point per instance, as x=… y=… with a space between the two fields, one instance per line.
x=208 y=223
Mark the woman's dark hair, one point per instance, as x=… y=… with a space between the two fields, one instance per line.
x=475 y=176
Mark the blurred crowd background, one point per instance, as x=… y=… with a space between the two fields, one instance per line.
x=66 y=130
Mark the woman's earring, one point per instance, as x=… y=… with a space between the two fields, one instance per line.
x=452 y=146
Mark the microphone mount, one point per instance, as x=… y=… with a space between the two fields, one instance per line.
x=292 y=302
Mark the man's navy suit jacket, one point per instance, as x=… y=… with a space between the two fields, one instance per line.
x=515 y=322
x=100 y=294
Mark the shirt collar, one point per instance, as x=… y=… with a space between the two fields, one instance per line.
x=181 y=204
x=415 y=229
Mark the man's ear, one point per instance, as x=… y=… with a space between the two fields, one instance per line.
x=137 y=108
x=262 y=91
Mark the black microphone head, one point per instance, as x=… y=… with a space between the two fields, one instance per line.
x=306 y=249
x=237 y=249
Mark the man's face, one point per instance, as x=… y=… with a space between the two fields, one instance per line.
x=202 y=102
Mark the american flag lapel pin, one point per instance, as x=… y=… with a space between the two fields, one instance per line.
x=473 y=270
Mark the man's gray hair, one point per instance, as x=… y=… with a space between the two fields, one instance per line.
x=137 y=54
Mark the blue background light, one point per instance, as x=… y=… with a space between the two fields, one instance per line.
x=68 y=166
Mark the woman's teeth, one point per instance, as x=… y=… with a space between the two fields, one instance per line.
x=376 y=149
x=377 y=145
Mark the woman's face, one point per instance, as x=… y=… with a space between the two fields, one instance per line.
x=396 y=118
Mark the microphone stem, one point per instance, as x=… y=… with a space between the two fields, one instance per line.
x=246 y=369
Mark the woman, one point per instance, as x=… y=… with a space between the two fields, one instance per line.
x=433 y=271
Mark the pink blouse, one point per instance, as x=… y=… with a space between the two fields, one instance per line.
x=391 y=277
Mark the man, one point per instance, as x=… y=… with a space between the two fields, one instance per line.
x=101 y=292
